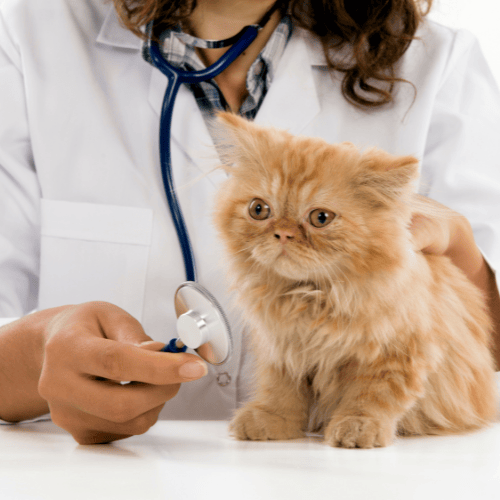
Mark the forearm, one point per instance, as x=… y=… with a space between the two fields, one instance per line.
x=466 y=255
x=21 y=348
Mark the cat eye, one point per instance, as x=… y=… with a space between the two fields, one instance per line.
x=321 y=217
x=259 y=209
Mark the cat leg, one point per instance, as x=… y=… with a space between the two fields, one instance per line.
x=373 y=401
x=278 y=411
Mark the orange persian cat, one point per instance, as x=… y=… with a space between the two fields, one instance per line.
x=353 y=331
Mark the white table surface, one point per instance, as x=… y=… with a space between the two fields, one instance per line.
x=199 y=460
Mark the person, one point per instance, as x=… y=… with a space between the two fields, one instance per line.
x=89 y=259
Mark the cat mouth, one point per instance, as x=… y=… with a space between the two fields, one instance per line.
x=285 y=257
x=284 y=254
x=288 y=266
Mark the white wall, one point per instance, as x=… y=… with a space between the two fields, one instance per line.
x=481 y=17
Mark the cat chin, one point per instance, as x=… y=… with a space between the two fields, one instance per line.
x=292 y=267
x=290 y=270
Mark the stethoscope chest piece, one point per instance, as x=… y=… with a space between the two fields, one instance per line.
x=201 y=323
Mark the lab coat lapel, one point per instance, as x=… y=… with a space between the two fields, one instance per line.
x=191 y=142
x=190 y=136
x=292 y=101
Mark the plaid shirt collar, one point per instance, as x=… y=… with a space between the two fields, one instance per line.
x=259 y=76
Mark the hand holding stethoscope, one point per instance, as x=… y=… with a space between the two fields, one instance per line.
x=201 y=322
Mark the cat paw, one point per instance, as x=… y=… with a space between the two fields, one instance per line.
x=359 y=432
x=256 y=424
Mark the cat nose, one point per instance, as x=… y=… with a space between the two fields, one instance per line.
x=284 y=235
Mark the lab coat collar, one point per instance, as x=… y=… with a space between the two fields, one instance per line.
x=314 y=48
x=114 y=34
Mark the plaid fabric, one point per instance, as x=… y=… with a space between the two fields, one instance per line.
x=259 y=76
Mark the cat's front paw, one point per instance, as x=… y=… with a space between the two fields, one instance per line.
x=359 y=432
x=257 y=424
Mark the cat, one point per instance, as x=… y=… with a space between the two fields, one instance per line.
x=353 y=331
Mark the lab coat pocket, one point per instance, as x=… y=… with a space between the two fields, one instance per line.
x=94 y=252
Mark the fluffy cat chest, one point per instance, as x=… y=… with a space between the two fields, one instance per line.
x=298 y=345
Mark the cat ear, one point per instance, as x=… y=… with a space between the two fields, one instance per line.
x=391 y=176
x=242 y=141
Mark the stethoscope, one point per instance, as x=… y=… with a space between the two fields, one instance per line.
x=201 y=322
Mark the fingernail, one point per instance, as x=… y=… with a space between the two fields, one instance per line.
x=193 y=369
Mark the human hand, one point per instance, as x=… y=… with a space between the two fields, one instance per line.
x=434 y=227
x=438 y=230
x=88 y=350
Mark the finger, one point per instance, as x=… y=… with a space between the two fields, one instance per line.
x=88 y=429
x=423 y=233
x=122 y=362
x=106 y=319
x=118 y=325
x=112 y=401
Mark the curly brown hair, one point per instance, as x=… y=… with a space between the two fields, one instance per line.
x=376 y=32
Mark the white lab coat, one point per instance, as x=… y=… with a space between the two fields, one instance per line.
x=83 y=214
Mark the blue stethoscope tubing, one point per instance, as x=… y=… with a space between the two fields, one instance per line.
x=176 y=77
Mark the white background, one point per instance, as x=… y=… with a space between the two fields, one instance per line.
x=481 y=17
